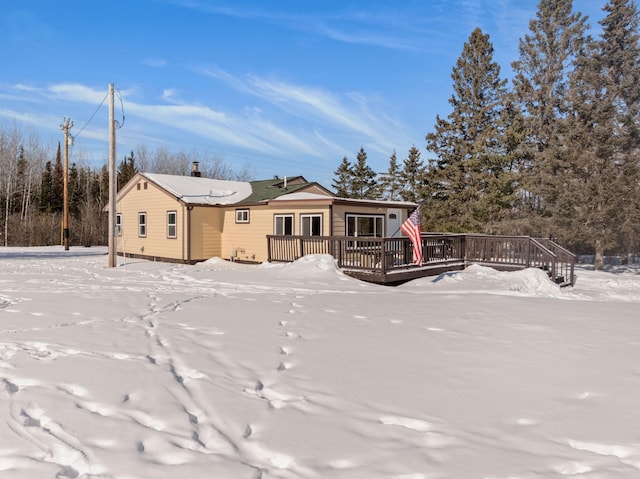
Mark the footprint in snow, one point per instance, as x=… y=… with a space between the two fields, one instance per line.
x=410 y=423
x=525 y=421
x=284 y=366
x=11 y=387
x=275 y=399
x=572 y=468
x=429 y=438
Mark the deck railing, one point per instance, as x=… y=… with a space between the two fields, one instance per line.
x=565 y=261
x=386 y=255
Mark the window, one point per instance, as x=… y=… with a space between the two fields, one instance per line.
x=172 y=228
x=118 y=230
x=283 y=225
x=142 y=224
x=242 y=216
x=365 y=225
x=311 y=225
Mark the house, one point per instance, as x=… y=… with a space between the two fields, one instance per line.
x=191 y=219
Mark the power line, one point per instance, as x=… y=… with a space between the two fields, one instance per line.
x=122 y=108
x=92 y=116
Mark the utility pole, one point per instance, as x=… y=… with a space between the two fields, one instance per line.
x=113 y=185
x=65 y=127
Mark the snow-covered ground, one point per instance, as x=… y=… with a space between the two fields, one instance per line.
x=220 y=370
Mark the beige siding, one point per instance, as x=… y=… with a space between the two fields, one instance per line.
x=340 y=212
x=213 y=230
x=249 y=240
x=155 y=203
x=206 y=231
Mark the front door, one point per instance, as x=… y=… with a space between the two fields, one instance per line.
x=394 y=220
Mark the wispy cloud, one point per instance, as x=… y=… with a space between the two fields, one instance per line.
x=204 y=123
x=154 y=62
x=369 y=38
x=169 y=94
x=336 y=114
x=33 y=119
x=387 y=28
x=19 y=93
x=280 y=120
x=76 y=92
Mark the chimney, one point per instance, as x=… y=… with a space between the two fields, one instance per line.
x=195 y=172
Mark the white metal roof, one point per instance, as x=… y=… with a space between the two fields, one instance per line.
x=202 y=191
x=303 y=195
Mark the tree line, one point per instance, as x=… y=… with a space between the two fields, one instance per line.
x=552 y=153
x=32 y=188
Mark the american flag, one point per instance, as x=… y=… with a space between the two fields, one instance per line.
x=411 y=228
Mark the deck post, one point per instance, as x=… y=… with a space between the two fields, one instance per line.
x=463 y=249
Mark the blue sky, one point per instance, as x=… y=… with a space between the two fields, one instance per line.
x=285 y=87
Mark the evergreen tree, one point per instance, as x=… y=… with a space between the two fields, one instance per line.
x=100 y=187
x=547 y=57
x=76 y=193
x=364 y=182
x=126 y=170
x=601 y=179
x=22 y=193
x=46 y=188
x=620 y=57
x=468 y=144
x=57 y=184
x=512 y=201
x=343 y=181
x=411 y=176
x=391 y=182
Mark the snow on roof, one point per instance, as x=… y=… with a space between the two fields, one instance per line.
x=301 y=195
x=202 y=191
x=392 y=203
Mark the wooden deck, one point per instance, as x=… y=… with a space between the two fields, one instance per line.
x=389 y=260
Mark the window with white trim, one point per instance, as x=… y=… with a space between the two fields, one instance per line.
x=365 y=225
x=311 y=225
x=118 y=229
x=283 y=225
x=242 y=215
x=142 y=225
x=172 y=224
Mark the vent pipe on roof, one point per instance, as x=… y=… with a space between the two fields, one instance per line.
x=285 y=182
x=195 y=172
